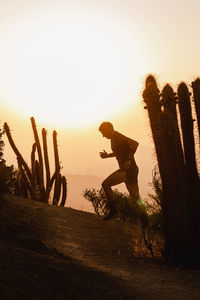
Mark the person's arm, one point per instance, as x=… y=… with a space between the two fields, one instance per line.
x=104 y=154
x=133 y=145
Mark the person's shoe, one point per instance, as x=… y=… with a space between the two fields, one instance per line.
x=110 y=215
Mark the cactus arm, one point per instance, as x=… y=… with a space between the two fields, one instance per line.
x=52 y=180
x=187 y=130
x=64 y=191
x=25 y=180
x=18 y=154
x=151 y=97
x=37 y=172
x=57 y=189
x=38 y=149
x=46 y=159
x=169 y=101
x=55 y=147
x=33 y=162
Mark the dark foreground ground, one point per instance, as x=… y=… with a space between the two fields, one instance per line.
x=49 y=252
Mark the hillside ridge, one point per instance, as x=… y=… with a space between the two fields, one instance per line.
x=80 y=255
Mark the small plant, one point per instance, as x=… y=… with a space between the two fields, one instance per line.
x=98 y=200
x=126 y=208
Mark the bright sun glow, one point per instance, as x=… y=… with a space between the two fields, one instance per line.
x=70 y=70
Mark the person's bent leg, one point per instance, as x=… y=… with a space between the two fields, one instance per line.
x=133 y=190
x=134 y=194
x=115 y=178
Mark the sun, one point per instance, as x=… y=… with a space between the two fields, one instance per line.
x=71 y=70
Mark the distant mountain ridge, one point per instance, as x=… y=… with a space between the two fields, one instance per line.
x=76 y=184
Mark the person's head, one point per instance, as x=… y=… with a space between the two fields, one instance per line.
x=107 y=129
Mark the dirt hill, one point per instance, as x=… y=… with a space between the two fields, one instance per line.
x=49 y=252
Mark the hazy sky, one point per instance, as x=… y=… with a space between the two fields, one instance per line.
x=73 y=64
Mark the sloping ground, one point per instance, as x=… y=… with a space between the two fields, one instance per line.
x=49 y=252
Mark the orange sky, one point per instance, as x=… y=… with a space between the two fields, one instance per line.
x=73 y=64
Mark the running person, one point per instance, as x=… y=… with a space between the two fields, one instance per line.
x=123 y=148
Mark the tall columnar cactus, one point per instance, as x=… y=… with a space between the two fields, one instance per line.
x=27 y=188
x=193 y=183
x=64 y=190
x=169 y=100
x=18 y=154
x=34 y=178
x=33 y=163
x=57 y=186
x=196 y=95
x=187 y=131
x=151 y=97
x=172 y=168
x=37 y=141
x=55 y=147
x=46 y=159
x=57 y=189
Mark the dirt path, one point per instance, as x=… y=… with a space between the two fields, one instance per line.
x=102 y=248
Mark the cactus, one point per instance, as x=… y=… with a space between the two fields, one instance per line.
x=34 y=179
x=193 y=183
x=151 y=97
x=57 y=189
x=55 y=147
x=57 y=186
x=196 y=94
x=37 y=141
x=19 y=156
x=187 y=131
x=169 y=101
x=173 y=171
x=33 y=162
x=64 y=191
x=24 y=180
x=46 y=159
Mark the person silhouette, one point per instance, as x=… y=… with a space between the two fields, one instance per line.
x=123 y=148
